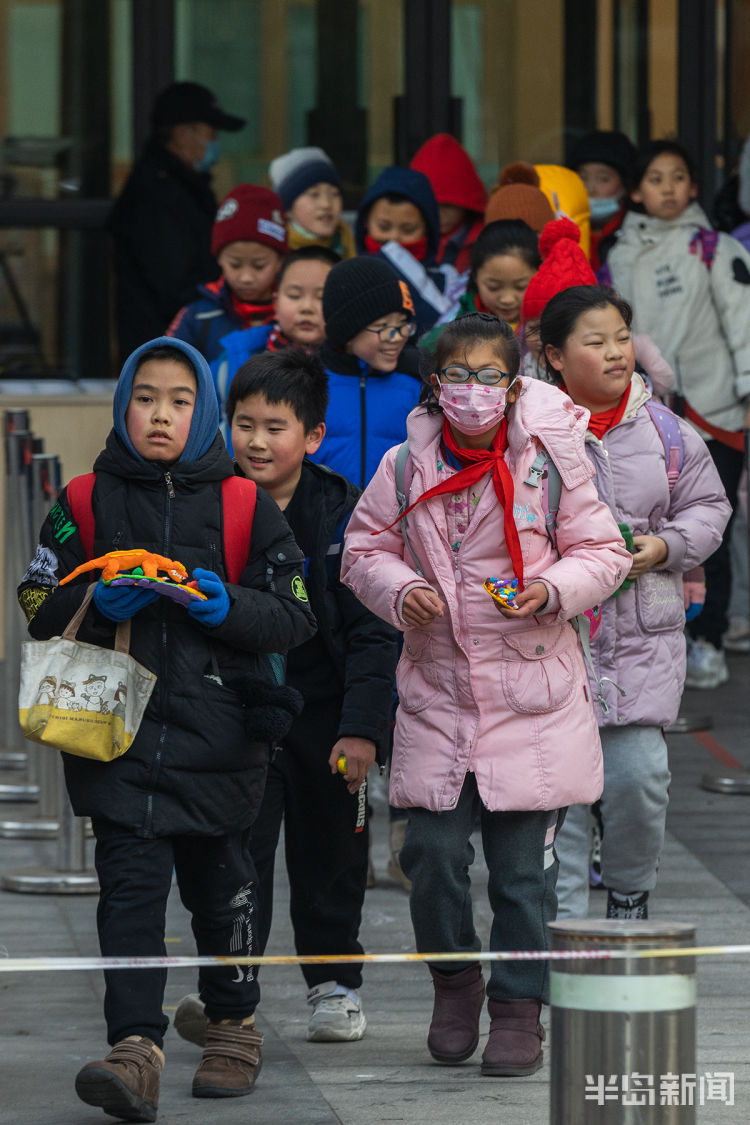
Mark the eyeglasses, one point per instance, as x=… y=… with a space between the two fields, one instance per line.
x=390 y=332
x=489 y=376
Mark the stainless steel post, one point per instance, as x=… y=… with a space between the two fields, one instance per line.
x=45 y=486
x=70 y=875
x=13 y=421
x=623 y=1031
x=17 y=553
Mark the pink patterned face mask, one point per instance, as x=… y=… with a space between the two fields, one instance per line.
x=473 y=408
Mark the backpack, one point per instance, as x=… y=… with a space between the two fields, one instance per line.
x=238 y=498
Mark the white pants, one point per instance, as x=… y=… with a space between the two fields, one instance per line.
x=634 y=813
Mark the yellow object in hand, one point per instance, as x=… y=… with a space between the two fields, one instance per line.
x=341 y=764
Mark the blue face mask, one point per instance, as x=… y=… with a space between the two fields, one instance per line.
x=603 y=209
x=210 y=156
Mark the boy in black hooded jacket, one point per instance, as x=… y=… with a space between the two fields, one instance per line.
x=186 y=792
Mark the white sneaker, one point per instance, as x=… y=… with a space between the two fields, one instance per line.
x=337 y=1017
x=706 y=666
x=737 y=636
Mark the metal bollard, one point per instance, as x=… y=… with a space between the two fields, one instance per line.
x=18 y=547
x=623 y=1031
x=45 y=486
x=70 y=875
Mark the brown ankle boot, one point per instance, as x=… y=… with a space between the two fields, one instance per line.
x=454 y=1030
x=231 y=1060
x=515 y=1042
x=126 y=1083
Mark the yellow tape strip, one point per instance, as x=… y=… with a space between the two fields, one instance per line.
x=61 y=964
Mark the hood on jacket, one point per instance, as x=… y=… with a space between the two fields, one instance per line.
x=205 y=421
x=567 y=193
x=652 y=227
x=416 y=188
x=451 y=172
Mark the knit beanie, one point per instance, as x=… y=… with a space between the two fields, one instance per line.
x=300 y=169
x=358 y=292
x=250 y=214
x=604 y=146
x=564 y=265
x=518 y=196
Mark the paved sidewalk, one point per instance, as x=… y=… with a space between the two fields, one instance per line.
x=51 y=1023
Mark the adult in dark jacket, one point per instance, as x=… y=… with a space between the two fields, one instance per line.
x=187 y=790
x=163 y=218
x=345 y=676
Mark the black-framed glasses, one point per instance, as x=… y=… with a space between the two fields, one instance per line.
x=489 y=376
x=390 y=332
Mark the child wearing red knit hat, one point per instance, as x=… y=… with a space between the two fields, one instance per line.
x=249 y=240
x=564 y=264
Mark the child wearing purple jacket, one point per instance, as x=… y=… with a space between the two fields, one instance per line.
x=637 y=642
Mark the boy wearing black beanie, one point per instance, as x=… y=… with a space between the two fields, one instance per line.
x=373 y=379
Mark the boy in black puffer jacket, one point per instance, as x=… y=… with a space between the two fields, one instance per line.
x=276 y=406
x=189 y=787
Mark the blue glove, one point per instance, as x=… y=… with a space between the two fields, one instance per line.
x=118 y=603
x=214 y=610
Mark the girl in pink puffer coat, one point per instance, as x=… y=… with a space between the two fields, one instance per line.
x=639 y=647
x=495 y=719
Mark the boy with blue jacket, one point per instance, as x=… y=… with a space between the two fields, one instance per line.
x=186 y=792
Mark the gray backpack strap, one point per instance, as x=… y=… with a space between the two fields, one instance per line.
x=582 y=626
x=402 y=458
x=544 y=471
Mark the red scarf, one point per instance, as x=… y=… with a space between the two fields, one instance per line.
x=277 y=340
x=251 y=313
x=418 y=248
x=480 y=306
x=478 y=462
x=602 y=422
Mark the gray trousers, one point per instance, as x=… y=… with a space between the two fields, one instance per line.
x=518 y=849
x=634 y=813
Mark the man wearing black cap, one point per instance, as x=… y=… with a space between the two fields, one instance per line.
x=162 y=220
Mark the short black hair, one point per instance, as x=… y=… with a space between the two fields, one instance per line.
x=505 y=236
x=164 y=352
x=657 y=148
x=561 y=314
x=308 y=254
x=465 y=332
x=291 y=376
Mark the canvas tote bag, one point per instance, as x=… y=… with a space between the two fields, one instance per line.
x=80 y=698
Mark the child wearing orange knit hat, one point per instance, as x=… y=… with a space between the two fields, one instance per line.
x=519 y=196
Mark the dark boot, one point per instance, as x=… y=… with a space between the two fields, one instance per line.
x=231 y=1060
x=454 y=1030
x=126 y=1083
x=514 y=1046
x=632 y=907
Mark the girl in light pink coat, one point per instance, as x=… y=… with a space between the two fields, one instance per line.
x=495 y=718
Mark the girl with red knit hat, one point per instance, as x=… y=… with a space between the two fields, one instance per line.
x=249 y=241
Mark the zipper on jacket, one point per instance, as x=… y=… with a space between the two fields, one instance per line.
x=363 y=427
x=155 y=767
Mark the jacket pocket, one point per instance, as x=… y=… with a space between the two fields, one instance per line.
x=417 y=678
x=538 y=671
x=659 y=603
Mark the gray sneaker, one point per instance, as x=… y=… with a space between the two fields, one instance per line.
x=706 y=666
x=335 y=1017
x=190 y=1021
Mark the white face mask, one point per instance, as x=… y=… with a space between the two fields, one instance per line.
x=473 y=408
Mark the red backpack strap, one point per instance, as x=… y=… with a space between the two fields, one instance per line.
x=79 y=491
x=238 y=497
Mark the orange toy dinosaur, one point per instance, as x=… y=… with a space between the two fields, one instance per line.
x=117 y=562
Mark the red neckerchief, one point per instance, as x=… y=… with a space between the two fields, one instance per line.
x=417 y=249
x=602 y=422
x=277 y=340
x=477 y=462
x=480 y=306
x=252 y=313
